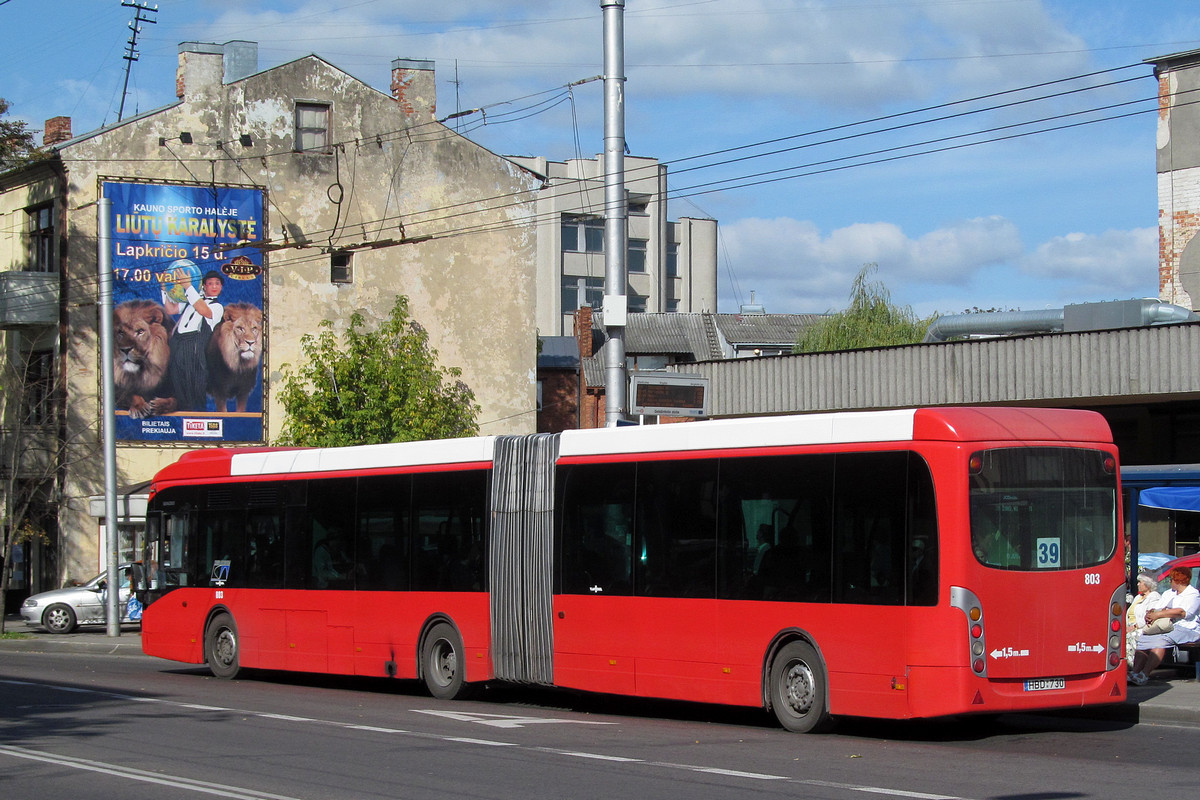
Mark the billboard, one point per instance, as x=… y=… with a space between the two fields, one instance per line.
x=188 y=298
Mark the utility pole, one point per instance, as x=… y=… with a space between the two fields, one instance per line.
x=616 y=213
x=131 y=53
x=112 y=608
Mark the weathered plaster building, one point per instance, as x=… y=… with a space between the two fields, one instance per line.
x=364 y=197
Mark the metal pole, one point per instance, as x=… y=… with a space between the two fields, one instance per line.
x=104 y=267
x=616 y=212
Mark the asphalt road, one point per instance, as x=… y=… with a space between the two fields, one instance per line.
x=83 y=726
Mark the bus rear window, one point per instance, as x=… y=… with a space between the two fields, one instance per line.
x=1042 y=508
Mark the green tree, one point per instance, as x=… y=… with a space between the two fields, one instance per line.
x=374 y=386
x=870 y=321
x=16 y=143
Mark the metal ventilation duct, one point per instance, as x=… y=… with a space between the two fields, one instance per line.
x=1073 y=318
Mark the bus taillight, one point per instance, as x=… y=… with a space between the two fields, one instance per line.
x=966 y=601
x=1116 y=628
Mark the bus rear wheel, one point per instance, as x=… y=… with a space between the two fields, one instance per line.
x=798 y=695
x=221 y=646
x=442 y=664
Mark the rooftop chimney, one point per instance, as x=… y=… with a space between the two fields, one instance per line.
x=413 y=87
x=56 y=129
x=200 y=66
x=583 y=332
x=241 y=59
x=203 y=65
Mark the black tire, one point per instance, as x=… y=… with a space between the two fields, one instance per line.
x=221 y=647
x=798 y=689
x=443 y=666
x=59 y=618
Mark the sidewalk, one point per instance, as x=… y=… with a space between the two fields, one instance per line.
x=91 y=639
x=1169 y=697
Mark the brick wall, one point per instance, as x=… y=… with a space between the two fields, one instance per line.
x=1178 y=223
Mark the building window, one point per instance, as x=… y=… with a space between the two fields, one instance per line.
x=41 y=239
x=37 y=399
x=341 y=267
x=637 y=304
x=582 y=292
x=672 y=305
x=672 y=260
x=582 y=234
x=637 y=255
x=312 y=127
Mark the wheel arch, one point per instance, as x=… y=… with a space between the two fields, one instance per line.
x=436 y=618
x=209 y=616
x=219 y=608
x=778 y=642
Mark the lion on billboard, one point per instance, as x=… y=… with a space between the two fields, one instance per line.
x=140 y=356
x=234 y=355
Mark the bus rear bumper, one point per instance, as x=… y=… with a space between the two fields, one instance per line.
x=945 y=691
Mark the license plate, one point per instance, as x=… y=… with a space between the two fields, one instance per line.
x=1045 y=684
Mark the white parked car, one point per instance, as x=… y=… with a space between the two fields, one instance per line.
x=62 y=610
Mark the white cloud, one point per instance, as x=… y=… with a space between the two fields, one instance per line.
x=793 y=267
x=1114 y=265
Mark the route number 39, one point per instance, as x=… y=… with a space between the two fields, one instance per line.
x=1049 y=553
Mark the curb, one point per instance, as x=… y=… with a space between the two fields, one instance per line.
x=128 y=644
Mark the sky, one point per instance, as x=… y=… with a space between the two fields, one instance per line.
x=984 y=154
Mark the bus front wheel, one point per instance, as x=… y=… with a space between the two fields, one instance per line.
x=442 y=663
x=221 y=646
x=797 y=683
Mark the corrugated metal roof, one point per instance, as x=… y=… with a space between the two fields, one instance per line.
x=776 y=329
x=667 y=333
x=1115 y=365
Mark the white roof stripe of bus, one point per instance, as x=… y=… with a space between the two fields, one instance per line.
x=841 y=427
x=404 y=454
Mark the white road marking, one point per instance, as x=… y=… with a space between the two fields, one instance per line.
x=494 y=720
x=505 y=720
x=596 y=756
x=129 y=773
x=486 y=742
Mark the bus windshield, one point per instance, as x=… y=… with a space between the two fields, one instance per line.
x=1043 y=508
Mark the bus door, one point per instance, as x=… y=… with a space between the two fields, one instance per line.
x=164 y=557
x=594 y=608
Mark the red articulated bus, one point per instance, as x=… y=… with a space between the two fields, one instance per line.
x=889 y=564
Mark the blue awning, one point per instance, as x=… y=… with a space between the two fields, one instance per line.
x=1177 y=498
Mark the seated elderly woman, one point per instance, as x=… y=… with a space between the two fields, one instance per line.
x=1135 y=617
x=1180 y=604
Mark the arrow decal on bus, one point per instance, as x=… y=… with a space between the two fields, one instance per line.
x=1008 y=652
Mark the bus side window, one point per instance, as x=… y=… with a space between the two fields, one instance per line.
x=264 y=549
x=448 y=518
x=676 y=527
x=382 y=528
x=596 y=528
x=922 y=567
x=329 y=533
x=870 y=515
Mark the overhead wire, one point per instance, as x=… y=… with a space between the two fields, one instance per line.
x=497 y=203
